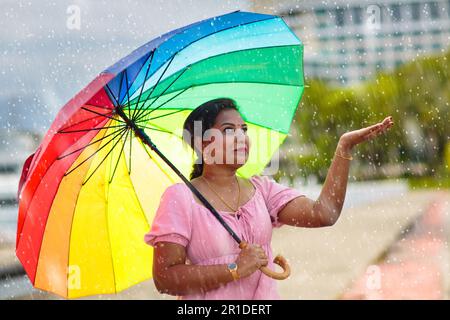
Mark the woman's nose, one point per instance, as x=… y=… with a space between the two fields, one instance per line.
x=241 y=132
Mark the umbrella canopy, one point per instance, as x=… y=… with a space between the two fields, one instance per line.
x=89 y=193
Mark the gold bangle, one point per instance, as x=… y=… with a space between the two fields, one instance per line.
x=340 y=155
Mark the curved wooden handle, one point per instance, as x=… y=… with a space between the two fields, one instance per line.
x=279 y=260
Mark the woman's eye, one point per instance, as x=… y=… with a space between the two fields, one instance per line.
x=226 y=130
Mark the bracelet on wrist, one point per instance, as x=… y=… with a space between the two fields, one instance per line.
x=339 y=153
x=233 y=268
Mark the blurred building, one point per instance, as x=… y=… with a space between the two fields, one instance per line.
x=348 y=41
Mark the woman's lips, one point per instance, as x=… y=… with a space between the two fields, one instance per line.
x=242 y=149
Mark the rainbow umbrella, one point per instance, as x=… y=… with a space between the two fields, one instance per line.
x=90 y=191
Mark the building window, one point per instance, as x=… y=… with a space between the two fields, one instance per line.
x=415 y=11
x=436 y=32
x=395 y=13
x=324 y=39
x=360 y=50
x=340 y=18
x=436 y=46
x=357 y=15
x=398 y=34
x=434 y=10
x=321 y=18
x=320 y=12
x=380 y=64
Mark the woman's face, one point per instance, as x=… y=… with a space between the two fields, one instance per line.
x=227 y=141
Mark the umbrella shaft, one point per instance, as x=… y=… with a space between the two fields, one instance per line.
x=146 y=139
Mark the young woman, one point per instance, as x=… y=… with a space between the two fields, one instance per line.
x=194 y=256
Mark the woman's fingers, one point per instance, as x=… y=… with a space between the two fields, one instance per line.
x=263 y=262
x=378 y=128
x=355 y=137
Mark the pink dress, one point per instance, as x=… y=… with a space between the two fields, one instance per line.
x=181 y=219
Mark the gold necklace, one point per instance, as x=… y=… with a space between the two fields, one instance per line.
x=239 y=194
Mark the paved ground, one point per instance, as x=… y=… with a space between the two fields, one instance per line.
x=416 y=266
x=326 y=263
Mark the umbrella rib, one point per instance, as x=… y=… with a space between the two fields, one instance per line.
x=151 y=103
x=154 y=87
x=98 y=140
x=85 y=120
x=179 y=93
x=156 y=162
x=101 y=107
x=137 y=75
x=98 y=150
x=222 y=30
x=101 y=114
x=121 y=81
x=129 y=115
x=112 y=95
x=129 y=159
x=121 y=84
x=143 y=110
x=118 y=158
x=128 y=93
x=161 y=130
x=92 y=129
x=106 y=156
x=160 y=116
x=143 y=83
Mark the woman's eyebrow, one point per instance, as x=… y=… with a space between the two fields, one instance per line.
x=243 y=125
x=227 y=123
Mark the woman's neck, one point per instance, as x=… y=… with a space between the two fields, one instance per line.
x=220 y=175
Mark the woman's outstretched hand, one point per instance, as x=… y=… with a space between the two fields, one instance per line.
x=350 y=139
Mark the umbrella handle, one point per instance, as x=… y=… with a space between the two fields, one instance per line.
x=279 y=260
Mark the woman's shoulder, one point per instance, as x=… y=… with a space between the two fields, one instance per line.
x=175 y=191
x=260 y=181
x=176 y=186
x=175 y=196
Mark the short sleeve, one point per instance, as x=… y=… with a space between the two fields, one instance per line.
x=172 y=221
x=276 y=196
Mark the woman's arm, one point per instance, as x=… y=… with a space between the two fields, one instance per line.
x=325 y=211
x=172 y=276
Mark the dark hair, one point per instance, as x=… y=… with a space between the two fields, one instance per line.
x=207 y=114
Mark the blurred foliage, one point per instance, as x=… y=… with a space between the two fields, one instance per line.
x=429 y=182
x=415 y=94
